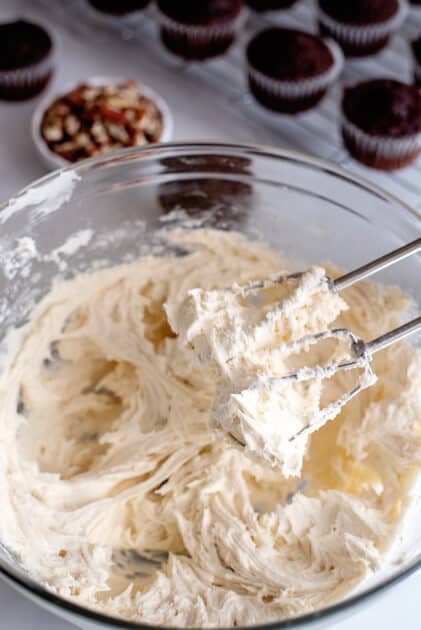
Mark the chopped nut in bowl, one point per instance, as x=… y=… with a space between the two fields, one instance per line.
x=96 y=117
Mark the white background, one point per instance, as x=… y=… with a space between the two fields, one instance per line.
x=196 y=117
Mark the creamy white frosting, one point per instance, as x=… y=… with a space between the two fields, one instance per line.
x=274 y=358
x=105 y=447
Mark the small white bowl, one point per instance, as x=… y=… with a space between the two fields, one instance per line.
x=50 y=159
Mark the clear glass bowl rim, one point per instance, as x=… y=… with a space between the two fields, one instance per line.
x=28 y=586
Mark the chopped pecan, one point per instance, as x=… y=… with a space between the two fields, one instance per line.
x=112 y=114
x=92 y=120
x=71 y=124
x=53 y=133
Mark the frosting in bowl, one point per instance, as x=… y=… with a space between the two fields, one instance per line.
x=106 y=454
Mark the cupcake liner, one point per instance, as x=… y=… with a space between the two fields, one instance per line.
x=202 y=31
x=199 y=41
x=30 y=80
x=301 y=91
x=380 y=151
x=364 y=35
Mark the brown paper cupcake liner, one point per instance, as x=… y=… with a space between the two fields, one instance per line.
x=379 y=151
x=363 y=40
x=199 y=42
x=292 y=97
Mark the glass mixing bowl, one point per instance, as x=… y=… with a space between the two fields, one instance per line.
x=113 y=209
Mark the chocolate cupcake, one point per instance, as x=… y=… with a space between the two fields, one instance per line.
x=289 y=71
x=361 y=27
x=269 y=5
x=381 y=123
x=416 y=50
x=118 y=8
x=199 y=30
x=26 y=59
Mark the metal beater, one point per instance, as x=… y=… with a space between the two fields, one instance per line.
x=360 y=351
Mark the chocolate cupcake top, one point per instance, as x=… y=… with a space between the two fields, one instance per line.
x=288 y=54
x=383 y=107
x=205 y=12
x=360 y=12
x=23 y=44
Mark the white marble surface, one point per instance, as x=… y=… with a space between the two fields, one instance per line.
x=195 y=118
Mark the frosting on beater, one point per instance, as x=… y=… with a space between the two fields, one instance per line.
x=274 y=359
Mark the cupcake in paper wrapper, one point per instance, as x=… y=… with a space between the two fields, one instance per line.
x=197 y=31
x=381 y=123
x=361 y=27
x=27 y=59
x=289 y=71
